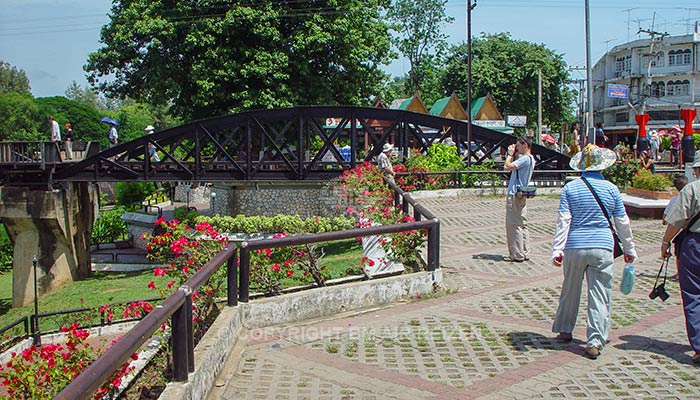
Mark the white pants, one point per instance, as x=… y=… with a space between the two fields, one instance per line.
x=597 y=265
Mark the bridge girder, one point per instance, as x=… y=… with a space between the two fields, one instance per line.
x=277 y=144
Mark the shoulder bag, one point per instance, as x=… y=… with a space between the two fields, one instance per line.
x=527 y=191
x=678 y=239
x=617 y=248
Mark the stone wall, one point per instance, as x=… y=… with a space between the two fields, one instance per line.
x=305 y=199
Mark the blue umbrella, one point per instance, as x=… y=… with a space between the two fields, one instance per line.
x=108 y=120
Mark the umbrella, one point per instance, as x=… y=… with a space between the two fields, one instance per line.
x=546 y=137
x=108 y=120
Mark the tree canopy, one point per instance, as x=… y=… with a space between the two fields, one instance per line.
x=13 y=79
x=211 y=57
x=508 y=69
x=419 y=24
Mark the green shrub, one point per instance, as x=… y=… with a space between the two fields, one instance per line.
x=128 y=193
x=290 y=224
x=645 y=180
x=622 y=172
x=185 y=215
x=109 y=226
x=5 y=250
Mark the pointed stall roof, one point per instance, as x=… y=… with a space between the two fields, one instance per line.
x=413 y=103
x=449 y=107
x=484 y=108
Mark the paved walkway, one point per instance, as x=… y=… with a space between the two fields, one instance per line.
x=489 y=339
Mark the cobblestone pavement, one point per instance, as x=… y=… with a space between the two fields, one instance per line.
x=489 y=339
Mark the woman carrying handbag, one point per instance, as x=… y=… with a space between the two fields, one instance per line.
x=583 y=246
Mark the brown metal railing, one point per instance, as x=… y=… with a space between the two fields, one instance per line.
x=178 y=306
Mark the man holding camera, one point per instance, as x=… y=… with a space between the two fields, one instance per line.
x=521 y=165
x=680 y=217
x=583 y=245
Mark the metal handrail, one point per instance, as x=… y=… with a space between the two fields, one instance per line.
x=178 y=306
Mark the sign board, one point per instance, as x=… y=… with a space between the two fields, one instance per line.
x=618 y=91
x=517 y=120
x=487 y=123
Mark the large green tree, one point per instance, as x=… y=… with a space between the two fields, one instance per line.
x=19 y=118
x=210 y=57
x=419 y=37
x=508 y=69
x=13 y=80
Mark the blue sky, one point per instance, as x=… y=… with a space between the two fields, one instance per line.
x=50 y=40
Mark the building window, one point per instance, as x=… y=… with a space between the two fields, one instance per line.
x=658 y=89
x=679 y=57
x=619 y=66
x=621 y=117
x=623 y=66
x=686 y=57
x=658 y=60
x=678 y=88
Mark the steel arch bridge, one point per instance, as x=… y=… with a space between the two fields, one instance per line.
x=295 y=143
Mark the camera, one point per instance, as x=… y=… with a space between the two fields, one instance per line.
x=660 y=292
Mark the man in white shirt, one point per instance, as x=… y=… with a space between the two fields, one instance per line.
x=55 y=130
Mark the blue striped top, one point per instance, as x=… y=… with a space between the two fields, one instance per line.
x=589 y=229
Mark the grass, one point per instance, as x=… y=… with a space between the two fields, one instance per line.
x=117 y=287
x=99 y=289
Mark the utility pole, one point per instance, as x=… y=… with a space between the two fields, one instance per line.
x=470 y=7
x=581 y=105
x=589 y=79
x=539 y=106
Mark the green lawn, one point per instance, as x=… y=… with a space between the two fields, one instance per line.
x=117 y=287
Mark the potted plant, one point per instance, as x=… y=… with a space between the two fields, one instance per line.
x=651 y=186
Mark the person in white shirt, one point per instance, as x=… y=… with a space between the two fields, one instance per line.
x=113 y=136
x=55 y=130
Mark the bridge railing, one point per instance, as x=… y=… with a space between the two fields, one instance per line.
x=178 y=306
x=41 y=153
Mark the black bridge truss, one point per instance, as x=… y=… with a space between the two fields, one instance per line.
x=264 y=145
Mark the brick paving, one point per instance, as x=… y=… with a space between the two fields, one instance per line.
x=488 y=339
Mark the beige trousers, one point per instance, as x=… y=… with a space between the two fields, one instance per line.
x=517 y=235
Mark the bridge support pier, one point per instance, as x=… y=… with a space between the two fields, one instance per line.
x=55 y=226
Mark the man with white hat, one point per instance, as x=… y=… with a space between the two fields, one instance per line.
x=383 y=161
x=583 y=245
x=151 y=147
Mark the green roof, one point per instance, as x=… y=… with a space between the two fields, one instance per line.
x=404 y=104
x=439 y=106
x=476 y=106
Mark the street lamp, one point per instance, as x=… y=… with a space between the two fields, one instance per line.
x=37 y=335
x=187 y=191
x=470 y=7
x=213 y=202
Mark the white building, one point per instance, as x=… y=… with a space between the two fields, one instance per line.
x=664 y=76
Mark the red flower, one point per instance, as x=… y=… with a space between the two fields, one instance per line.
x=151 y=285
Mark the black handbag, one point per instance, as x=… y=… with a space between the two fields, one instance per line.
x=617 y=247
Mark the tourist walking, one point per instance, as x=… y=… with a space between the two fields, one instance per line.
x=683 y=216
x=151 y=147
x=521 y=164
x=583 y=246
